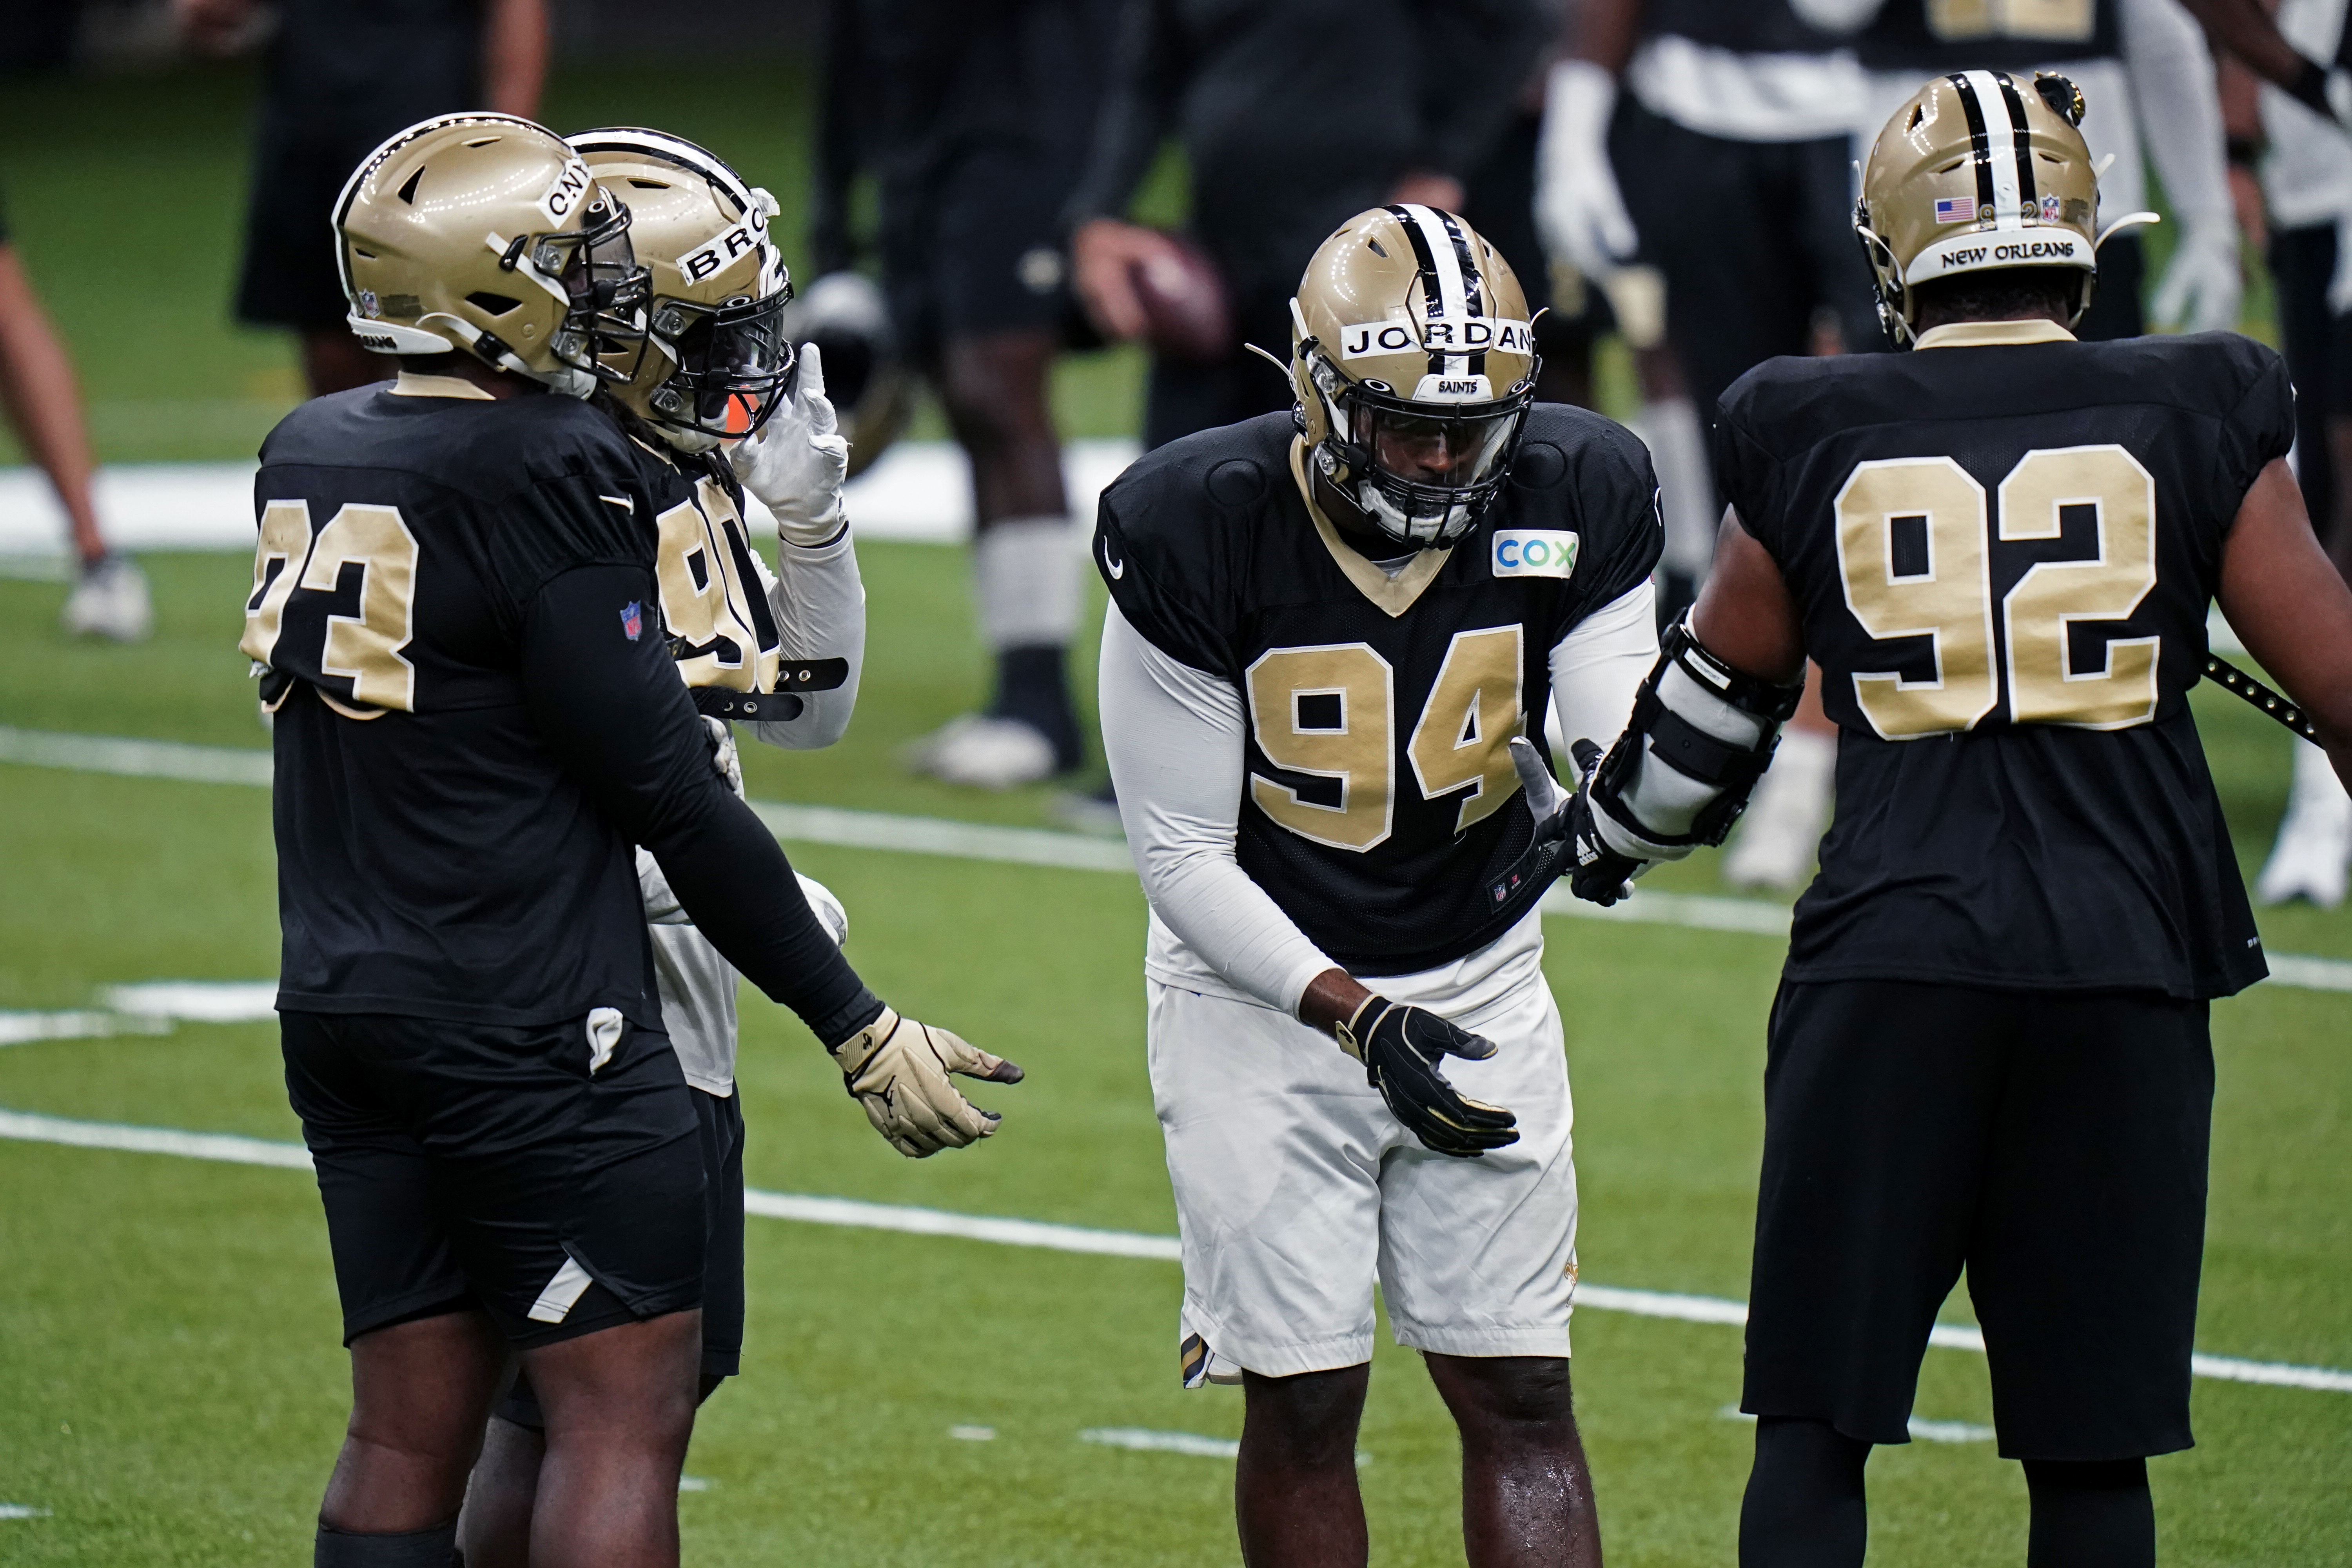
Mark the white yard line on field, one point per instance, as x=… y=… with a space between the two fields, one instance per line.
x=842 y=827
x=1925 y=1430
x=31 y=1127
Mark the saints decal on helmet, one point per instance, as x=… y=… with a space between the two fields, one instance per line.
x=1413 y=364
x=715 y=359
x=1978 y=172
x=485 y=233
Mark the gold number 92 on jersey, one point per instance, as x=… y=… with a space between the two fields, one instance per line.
x=1914 y=545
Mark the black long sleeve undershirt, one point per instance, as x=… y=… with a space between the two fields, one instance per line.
x=614 y=711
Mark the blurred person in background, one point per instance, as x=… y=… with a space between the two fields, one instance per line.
x=338 y=76
x=1294 y=115
x=44 y=404
x=975 y=120
x=1709 y=139
x=2306 y=184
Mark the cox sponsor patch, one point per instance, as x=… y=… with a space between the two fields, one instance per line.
x=1535 y=553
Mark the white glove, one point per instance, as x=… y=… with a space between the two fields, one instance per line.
x=723 y=755
x=826 y=907
x=797 y=461
x=2202 y=286
x=898 y=1069
x=1578 y=206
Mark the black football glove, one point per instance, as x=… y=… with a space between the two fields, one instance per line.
x=1597 y=874
x=1401 y=1048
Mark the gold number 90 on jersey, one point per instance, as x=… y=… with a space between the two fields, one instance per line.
x=365 y=647
x=1913 y=546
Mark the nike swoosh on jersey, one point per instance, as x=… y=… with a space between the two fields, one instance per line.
x=1117 y=568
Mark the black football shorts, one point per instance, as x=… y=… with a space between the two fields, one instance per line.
x=720 y=1135
x=976 y=248
x=508 y=1167
x=289 y=277
x=2053 y=1143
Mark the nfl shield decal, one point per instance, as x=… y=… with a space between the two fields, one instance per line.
x=633 y=620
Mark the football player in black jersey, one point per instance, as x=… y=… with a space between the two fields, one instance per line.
x=712 y=368
x=1327 y=628
x=1990 y=1045
x=457 y=618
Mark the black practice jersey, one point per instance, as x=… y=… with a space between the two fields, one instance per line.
x=1380 y=797
x=434 y=856
x=714 y=602
x=1932 y=36
x=1742 y=26
x=2003 y=556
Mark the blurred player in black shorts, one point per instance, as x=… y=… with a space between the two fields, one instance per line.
x=43 y=400
x=1990 y=1046
x=459 y=619
x=975 y=121
x=339 y=77
x=1294 y=116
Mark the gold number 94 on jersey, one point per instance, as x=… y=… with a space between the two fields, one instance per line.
x=1330 y=712
x=365 y=647
x=1914 y=548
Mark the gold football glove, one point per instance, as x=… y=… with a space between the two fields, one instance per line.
x=898 y=1069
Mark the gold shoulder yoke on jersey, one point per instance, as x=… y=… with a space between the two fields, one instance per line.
x=1395 y=595
x=1993 y=334
x=410 y=384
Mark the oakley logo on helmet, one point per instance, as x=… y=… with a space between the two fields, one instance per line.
x=1535 y=553
x=700 y=264
x=571 y=184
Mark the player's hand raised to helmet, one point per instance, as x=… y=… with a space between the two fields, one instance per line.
x=898 y=1070
x=1402 y=1048
x=796 y=463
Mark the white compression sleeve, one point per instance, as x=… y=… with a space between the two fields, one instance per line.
x=819 y=607
x=1599 y=665
x=2179 y=110
x=1175 y=736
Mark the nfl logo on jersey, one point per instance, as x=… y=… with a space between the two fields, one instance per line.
x=633 y=620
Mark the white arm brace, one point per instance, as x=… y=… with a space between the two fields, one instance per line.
x=819 y=607
x=1173 y=736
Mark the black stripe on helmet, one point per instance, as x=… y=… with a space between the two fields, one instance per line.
x=1474 y=284
x=1432 y=296
x=2022 y=134
x=1979 y=140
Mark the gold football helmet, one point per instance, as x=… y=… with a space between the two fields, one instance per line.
x=715 y=360
x=485 y=233
x=1979 y=171
x=1414 y=364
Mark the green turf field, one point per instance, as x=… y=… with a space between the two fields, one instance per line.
x=171 y=1390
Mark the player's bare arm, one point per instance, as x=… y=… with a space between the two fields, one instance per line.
x=2291 y=609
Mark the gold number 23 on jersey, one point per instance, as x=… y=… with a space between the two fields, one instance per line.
x=1913 y=549
x=1329 y=712
x=366 y=647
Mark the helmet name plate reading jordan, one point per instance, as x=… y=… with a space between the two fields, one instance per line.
x=1536 y=552
x=1438 y=335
